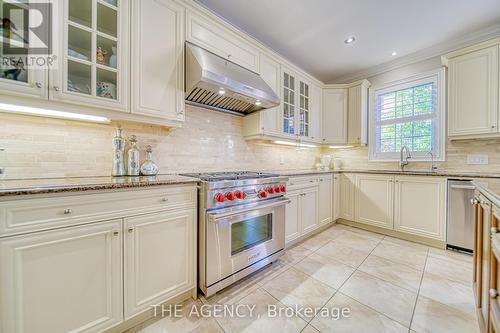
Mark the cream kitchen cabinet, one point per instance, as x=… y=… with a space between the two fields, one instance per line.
x=325 y=199
x=159 y=258
x=473 y=91
x=213 y=36
x=301 y=214
x=91 y=39
x=336 y=197
x=334 y=121
x=347 y=196
x=419 y=206
x=292 y=216
x=89 y=262
x=316 y=112
x=357 y=123
x=268 y=122
x=63 y=280
x=158 y=59
x=374 y=200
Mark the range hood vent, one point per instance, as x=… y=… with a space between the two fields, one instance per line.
x=216 y=83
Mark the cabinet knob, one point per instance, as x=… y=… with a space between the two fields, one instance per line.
x=56 y=88
x=180 y=111
x=38 y=85
x=130 y=230
x=493 y=126
x=229 y=56
x=68 y=211
x=164 y=199
x=115 y=233
x=493 y=293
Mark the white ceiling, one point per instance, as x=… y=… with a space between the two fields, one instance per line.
x=311 y=33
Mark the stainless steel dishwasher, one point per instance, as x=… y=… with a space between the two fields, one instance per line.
x=460 y=229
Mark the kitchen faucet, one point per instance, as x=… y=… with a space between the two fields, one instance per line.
x=433 y=166
x=403 y=160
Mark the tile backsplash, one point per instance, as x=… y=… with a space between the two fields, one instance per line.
x=456 y=157
x=208 y=141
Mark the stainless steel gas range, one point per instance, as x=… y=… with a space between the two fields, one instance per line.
x=241 y=225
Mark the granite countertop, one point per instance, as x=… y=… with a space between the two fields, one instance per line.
x=439 y=173
x=76 y=184
x=490 y=188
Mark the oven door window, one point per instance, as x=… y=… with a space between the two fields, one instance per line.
x=251 y=232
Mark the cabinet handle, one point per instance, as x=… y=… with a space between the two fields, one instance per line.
x=494 y=230
x=493 y=293
x=38 y=85
x=115 y=233
x=67 y=211
x=56 y=88
x=130 y=230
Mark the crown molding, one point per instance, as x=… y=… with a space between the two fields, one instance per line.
x=430 y=52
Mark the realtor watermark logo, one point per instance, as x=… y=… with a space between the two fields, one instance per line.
x=25 y=29
x=248 y=311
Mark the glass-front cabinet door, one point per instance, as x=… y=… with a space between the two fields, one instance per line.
x=92 y=41
x=304 y=114
x=22 y=55
x=289 y=100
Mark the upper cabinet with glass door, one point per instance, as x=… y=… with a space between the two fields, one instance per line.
x=92 y=40
x=18 y=76
x=289 y=103
x=304 y=110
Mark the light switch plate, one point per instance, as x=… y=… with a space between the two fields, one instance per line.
x=477 y=159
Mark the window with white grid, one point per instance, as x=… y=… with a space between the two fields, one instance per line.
x=408 y=113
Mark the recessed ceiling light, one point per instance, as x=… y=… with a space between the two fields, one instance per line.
x=350 y=40
x=258 y=103
x=222 y=91
x=394 y=53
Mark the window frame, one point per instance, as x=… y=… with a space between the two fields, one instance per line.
x=438 y=78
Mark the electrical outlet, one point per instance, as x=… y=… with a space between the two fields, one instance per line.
x=477 y=159
x=282 y=159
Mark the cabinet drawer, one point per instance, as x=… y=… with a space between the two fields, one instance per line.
x=302 y=181
x=31 y=214
x=221 y=41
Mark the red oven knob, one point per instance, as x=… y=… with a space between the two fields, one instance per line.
x=230 y=196
x=219 y=197
x=263 y=194
x=270 y=190
x=240 y=195
x=283 y=188
x=277 y=189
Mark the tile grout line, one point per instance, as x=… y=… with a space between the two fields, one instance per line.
x=418 y=292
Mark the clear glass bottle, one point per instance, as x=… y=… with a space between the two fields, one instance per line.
x=133 y=157
x=149 y=168
x=118 y=154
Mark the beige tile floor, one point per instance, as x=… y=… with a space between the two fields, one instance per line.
x=389 y=285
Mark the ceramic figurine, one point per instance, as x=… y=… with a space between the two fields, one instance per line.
x=112 y=58
x=101 y=56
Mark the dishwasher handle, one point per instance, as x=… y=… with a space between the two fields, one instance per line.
x=463 y=187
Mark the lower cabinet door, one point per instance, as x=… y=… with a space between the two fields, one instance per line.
x=420 y=206
x=309 y=209
x=292 y=216
x=159 y=258
x=325 y=203
x=374 y=200
x=336 y=197
x=66 y=280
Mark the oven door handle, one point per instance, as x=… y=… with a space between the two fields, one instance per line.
x=215 y=217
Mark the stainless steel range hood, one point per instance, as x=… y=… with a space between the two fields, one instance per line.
x=216 y=83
